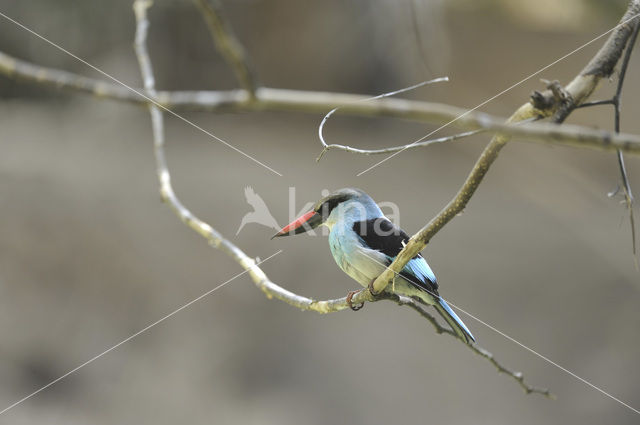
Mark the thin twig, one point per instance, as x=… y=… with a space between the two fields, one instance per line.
x=615 y=102
x=397 y=148
x=517 y=376
x=415 y=26
x=227 y=43
x=400 y=148
x=595 y=103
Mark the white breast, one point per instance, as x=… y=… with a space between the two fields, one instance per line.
x=361 y=263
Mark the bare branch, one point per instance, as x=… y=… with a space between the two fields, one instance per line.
x=227 y=43
x=25 y=71
x=601 y=65
x=318 y=102
x=542 y=105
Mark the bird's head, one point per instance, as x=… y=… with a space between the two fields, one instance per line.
x=325 y=211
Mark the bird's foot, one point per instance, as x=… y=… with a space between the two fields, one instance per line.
x=351 y=306
x=371 y=290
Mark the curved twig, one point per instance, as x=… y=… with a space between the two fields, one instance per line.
x=398 y=148
x=326 y=146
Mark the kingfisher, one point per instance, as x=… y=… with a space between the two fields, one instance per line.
x=364 y=243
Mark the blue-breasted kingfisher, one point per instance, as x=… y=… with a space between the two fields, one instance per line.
x=364 y=243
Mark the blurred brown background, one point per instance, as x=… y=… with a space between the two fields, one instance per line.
x=88 y=254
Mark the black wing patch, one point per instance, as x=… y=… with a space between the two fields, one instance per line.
x=384 y=236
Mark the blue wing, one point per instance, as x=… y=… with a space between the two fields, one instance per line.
x=419 y=268
x=384 y=236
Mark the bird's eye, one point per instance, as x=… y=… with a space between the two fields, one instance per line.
x=327 y=206
x=324 y=208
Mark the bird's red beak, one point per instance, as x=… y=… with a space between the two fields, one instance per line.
x=302 y=224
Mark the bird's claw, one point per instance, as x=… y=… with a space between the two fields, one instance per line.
x=371 y=290
x=351 y=306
